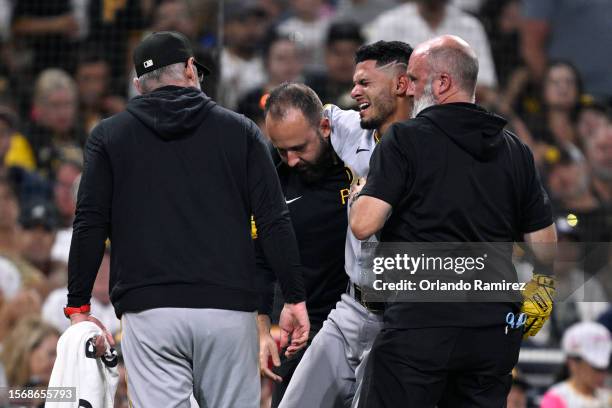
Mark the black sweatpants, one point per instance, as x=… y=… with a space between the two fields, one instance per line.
x=450 y=367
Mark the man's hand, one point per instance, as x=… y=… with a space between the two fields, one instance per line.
x=294 y=322
x=538 y=298
x=267 y=348
x=356 y=188
x=99 y=340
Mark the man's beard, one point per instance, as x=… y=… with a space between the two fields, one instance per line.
x=425 y=101
x=384 y=108
x=311 y=172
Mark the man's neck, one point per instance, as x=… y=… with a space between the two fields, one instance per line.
x=402 y=113
x=432 y=16
x=456 y=96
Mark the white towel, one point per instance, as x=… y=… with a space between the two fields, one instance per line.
x=95 y=379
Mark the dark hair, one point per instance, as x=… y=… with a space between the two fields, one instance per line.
x=271 y=38
x=344 y=31
x=298 y=96
x=92 y=54
x=384 y=52
x=564 y=63
x=459 y=62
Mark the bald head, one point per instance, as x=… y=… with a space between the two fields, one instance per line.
x=450 y=66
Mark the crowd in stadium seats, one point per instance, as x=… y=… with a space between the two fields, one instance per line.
x=66 y=65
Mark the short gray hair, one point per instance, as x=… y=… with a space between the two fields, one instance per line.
x=156 y=79
x=461 y=65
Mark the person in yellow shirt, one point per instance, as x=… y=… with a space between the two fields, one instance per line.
x=15 y=150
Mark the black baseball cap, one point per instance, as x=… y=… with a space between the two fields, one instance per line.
x=163 y=48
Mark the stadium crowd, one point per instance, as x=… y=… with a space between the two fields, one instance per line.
x=66 y=65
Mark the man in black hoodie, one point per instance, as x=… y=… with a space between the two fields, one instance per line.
x=453 y=174
x=173 y=182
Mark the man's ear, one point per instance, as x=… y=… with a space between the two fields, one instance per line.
x=137 y=86
x=401 y=85
x=325 y=127
x=190 y=70
x=442 y=84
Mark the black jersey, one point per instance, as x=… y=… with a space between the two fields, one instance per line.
x=453 y=174
x=319 y=218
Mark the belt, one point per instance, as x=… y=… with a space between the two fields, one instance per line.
x=357 y=294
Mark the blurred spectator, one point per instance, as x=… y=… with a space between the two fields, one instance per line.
x=178 y=15
x=587 y=347
x=116 y=26
x=241 y=65
x=7 y=128
x=9 y=214
x=552 y=120
x=362 y=11
x=29 y=353
x=283 y=63
x=587 y=44
x=25 y=303
x=39 y=226
x=502 y=20
x=517 y=397
x=14 y=147
x=335 y=83
x=569 y=184
x=469 y=6
x=10 y=235
x=592 y=116
x=6 y=12
x=307 y=26
x=10 y=280
x=416 y=22
x=175 y=15
x=599 y=155
x=93 y=78
x=65 y=201
x=101 y=307
x=580 y=295
x=54 y=132
x=49 y=29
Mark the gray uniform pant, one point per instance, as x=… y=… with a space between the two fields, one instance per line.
x=332 y=368
x=172 y=352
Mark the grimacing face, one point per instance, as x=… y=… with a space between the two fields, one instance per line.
x=373 y=92
x=300 y=145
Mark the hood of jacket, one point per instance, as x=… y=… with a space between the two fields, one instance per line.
x=171 y=112
x=472 y=128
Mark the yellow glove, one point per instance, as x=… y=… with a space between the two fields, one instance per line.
x=537 y=303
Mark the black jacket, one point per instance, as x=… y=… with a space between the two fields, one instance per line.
x=173 y=182
x=454 y=174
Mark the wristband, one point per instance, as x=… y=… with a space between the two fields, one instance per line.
x=69 y=311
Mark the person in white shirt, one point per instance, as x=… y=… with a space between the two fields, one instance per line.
x=587 y=346
x=418 y=21
x=308 y=27
x=241 y=65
